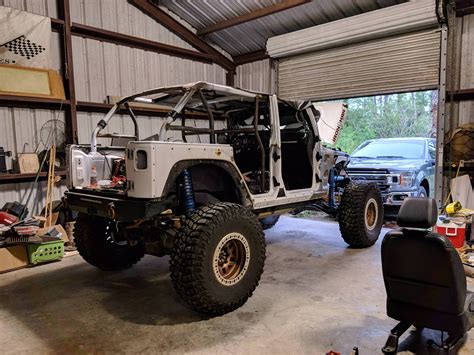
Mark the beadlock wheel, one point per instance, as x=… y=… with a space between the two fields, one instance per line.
x=231 y=259
x=218 y=257
x=371 y=214
x=360 y=214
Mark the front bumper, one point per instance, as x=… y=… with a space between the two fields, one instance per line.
x=396 y=198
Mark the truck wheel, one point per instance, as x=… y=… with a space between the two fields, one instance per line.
x=422 y=192
x=218 y=257
x=361 y=214
x=269 y=222
x=94 y=238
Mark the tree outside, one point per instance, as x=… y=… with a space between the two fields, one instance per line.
x=398 y=115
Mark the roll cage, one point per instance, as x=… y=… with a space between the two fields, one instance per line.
x=198 y=100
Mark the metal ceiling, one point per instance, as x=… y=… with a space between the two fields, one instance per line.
x=252 y=36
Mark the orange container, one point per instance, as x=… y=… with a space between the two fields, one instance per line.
x=455 y=232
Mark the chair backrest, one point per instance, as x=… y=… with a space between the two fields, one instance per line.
x=421 y=268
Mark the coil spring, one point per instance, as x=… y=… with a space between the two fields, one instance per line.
x=332 y=188
x=187 y=192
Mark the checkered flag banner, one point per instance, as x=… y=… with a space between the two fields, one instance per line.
x=24 y=38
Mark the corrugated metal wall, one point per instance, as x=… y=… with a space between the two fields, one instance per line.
x=20 y=129
x=463 y=112
x=466 y=108
x=100 y=69
x=255 y=76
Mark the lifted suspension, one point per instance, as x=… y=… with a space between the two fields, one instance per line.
x=187 y=192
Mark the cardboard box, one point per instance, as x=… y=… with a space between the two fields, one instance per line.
x=13 y=257
x=42 y=231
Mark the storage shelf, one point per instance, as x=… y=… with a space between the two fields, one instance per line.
x=15 y=178
x=32 y=102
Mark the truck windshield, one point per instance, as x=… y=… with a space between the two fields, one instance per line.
x=394 y=149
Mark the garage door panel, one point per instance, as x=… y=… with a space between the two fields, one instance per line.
x=403 y=63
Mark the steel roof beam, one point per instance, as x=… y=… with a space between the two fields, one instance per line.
x=269 y=10
x=174 y=26
x=250 y=57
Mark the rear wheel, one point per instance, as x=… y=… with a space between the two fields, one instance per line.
x=361 y=214
x=218 y=258
x=97 y=242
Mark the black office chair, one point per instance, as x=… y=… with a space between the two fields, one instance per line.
x=424 y=277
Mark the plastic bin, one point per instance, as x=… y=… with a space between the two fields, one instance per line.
x=45 y=252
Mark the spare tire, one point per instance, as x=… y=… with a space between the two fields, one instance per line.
x=95 y=241
x=360 y=214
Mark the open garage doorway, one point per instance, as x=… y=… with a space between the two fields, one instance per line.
x=412 y=114
x=391 y=139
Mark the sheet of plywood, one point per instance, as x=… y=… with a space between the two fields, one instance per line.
x=25 y=81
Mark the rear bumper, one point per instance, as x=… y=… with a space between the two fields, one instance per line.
x=120 y=209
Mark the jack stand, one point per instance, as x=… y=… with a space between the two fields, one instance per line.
x=449 y=344
x=391 y=346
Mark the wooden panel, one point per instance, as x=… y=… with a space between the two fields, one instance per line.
x=25 y=81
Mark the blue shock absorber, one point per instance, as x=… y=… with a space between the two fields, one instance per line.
x=332 y=188
x=187 y=192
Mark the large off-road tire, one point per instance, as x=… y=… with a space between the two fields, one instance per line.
x=218 y=257
x=94 y=238
x=269 y=222
x=360 y=214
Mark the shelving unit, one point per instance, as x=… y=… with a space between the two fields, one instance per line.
x=15 y=178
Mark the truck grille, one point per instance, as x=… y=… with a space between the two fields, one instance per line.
x=379 y=176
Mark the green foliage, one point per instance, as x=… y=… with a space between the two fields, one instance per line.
x=398 y=115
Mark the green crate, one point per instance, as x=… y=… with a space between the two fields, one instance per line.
x=44 y=252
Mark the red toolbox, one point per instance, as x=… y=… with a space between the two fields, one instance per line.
x=456 y=232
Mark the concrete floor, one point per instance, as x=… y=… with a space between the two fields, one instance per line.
x=315 y=295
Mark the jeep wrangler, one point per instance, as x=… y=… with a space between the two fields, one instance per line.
x=204 y=193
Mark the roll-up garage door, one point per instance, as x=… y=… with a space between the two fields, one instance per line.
x=368 y=54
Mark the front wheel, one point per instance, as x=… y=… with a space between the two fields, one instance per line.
x=422 y=192
x=360 y=214
x=218 y=258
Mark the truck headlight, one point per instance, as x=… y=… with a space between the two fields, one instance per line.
x=393 y=179
x=407 y=179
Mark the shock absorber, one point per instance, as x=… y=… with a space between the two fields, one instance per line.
x=187 y=192
x=332 y=188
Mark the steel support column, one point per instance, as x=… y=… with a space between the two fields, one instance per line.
x=64 y=13
x=441 y=117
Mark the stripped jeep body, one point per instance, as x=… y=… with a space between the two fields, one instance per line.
x=165 y=159
x=204 y=193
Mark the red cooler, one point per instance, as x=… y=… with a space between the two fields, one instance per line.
x=455 y=232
